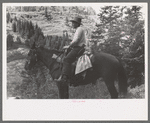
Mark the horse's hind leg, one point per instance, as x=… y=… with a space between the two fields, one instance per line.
x=111 y=87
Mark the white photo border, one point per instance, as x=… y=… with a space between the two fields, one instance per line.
x=84 y=109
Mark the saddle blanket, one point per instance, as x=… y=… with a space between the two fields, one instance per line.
x=83 y=63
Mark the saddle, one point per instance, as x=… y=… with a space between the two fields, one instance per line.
x=82 y=63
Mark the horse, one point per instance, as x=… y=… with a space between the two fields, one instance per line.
x=104 y=66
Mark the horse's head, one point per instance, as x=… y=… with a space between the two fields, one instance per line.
x=31 y=58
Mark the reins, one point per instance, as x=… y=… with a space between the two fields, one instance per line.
x=52 y=61
x=57 y=57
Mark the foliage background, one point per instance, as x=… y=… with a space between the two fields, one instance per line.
x=119 y=31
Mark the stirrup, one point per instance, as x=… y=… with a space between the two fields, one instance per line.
x=58 y=78
x=61 y=78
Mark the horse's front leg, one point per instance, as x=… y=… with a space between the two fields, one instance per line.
x=63 y=89
x=39 y=96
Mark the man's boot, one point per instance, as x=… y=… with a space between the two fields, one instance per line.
x=65 y=73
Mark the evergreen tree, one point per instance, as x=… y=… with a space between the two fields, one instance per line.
x=66 y=21
x=27 y=42
x=8 y=17
x=19 y=26
x=23 y=26
x=32 y=40
x=41 y=40
x=14 y=26
x=135 y=55
x=123 y=36
x=38 y=32
x=22 y=30
x=15 y=18
x=31 y=29
x=53 y=8
x=27 y=31
x=46 y=12
x=36 y=27
x=9 y=40
x=31 y=33
x=31 y=25
x=109 y=30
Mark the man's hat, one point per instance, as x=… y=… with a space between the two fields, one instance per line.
x=77 y=19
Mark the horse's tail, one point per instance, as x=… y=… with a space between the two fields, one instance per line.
x=122 y=79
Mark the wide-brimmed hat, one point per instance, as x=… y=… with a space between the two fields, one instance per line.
x=77 y=19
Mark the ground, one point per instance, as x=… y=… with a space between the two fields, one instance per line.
x=24 y=85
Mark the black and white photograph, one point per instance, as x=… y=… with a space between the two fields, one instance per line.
x=77 y=55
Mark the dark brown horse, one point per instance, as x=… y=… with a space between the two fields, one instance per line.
x=104 y=65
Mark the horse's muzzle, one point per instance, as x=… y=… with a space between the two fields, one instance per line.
x=26 y=67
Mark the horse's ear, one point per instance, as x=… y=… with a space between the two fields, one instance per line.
x=33 y=46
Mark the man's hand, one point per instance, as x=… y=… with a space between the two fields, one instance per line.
x=65 y=47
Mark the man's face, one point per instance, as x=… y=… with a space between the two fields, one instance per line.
x=75 y=25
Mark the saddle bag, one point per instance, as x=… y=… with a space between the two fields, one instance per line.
x=83 y=63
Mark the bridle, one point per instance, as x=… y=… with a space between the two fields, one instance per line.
x=34 y=51
x=57 y=57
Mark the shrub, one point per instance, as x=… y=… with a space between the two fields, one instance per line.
x=18 y=40
x=27 y=42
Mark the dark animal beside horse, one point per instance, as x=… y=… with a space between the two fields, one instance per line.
x=104 y=65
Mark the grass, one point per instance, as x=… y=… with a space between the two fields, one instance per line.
x=137 y=92
x=97 y=91
x=15 y=56
x=27 y=88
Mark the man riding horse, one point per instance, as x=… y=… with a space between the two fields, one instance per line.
x=104 y=65
x=78 y=42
